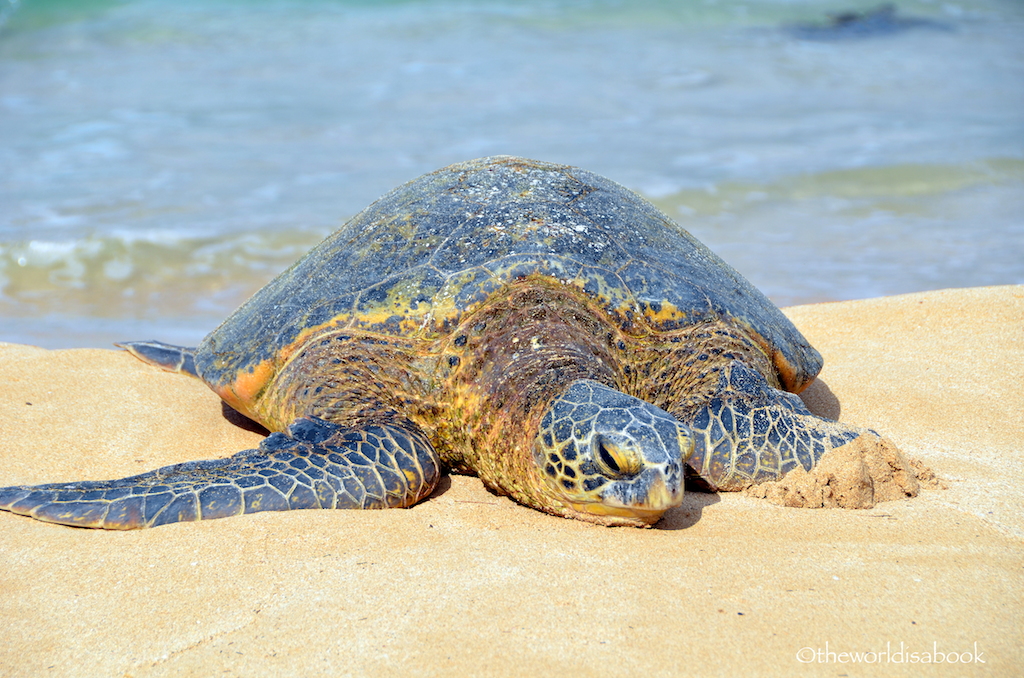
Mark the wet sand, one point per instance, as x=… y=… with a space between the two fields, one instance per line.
x=468 y=583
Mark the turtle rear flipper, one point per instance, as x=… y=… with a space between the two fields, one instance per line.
x=750 y=432
x=316 y=464
x=165 y=356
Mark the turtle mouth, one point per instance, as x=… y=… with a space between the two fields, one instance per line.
x=646 y=508
x=625 y=515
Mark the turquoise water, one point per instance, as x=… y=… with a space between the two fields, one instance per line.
x=160 y=161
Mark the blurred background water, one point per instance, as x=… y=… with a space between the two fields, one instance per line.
x=159 y=161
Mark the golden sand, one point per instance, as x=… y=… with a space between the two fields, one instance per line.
x=468 y=583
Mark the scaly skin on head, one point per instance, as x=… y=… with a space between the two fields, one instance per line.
x=612 y=458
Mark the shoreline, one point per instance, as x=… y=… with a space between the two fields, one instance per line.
x=725 y=583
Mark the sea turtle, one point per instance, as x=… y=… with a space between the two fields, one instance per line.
x=531 y=323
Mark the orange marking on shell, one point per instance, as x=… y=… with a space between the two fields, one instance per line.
x=665 y=313
x=244 y=390
x=788 y=374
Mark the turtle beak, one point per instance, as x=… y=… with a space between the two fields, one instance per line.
x=652 y=502
x=650 y=498
x=661 y=498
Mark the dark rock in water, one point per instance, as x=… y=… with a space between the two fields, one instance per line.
x=878 y=21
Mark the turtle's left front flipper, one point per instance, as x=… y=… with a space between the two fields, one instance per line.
x=316 y=464
x=750 y=432
x=753 y=436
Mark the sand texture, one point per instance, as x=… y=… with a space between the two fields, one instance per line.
x=468 y=583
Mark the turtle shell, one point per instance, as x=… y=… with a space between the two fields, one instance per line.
x=412 y=263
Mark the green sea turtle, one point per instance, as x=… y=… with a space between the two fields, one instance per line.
x=533 y=324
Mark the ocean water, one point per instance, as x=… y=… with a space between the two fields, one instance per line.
x=159 y=162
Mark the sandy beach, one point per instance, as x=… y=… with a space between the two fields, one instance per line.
x=468 y=583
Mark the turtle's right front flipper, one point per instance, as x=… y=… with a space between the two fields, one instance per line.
x=316 y=464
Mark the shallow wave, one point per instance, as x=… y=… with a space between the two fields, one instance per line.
x=119 y=273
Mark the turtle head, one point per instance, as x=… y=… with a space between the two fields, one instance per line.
x=611 y=458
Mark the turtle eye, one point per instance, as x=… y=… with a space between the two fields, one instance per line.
x=615 y=460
